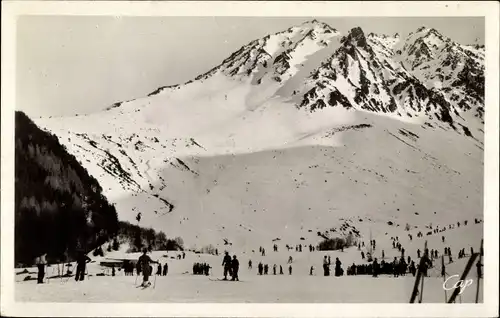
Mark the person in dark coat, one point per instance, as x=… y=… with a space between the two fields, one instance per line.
x=165 y=269
x=158 y=271
x=281 y=270
x=81 y=262
x=290 y=270
x=235 y=266
x=40 y=263
x=376 y=268
x=144 y=261
x=338 y=268
x=326 y=268
x=413 y=269
x=261 y=268
x=226 y=263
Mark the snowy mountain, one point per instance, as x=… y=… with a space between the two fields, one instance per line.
x=301 y=134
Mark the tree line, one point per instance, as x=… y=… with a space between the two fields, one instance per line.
x=59 y=206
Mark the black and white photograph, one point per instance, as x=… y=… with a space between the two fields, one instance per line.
x=304 y=159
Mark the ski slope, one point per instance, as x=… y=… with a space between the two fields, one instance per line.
x=181 y=286
x=293 y=135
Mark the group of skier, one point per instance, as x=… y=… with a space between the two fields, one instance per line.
x=231 y=267
x=263 y=269
x=201 y=269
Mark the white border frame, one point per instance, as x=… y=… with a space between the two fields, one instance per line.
x=11 y=10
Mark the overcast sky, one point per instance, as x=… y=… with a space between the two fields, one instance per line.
x=78 y=64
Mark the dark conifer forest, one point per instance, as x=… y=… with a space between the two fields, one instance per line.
x=59 y=207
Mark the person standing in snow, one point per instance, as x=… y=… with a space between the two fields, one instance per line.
x=40 y=262
x=158 y=270
x=413 y=269
x=395 y=267
x=226 y=263
x=144 y=261
x=326 y=270
x=165 y=269
x=274 y=269
x=81 y=262
x=338 y=268
x=290 y=270
x=281 y=270
x=311 y=270
x=261 y=268
x=376 y=268
x=235 y=266
x=250 y=264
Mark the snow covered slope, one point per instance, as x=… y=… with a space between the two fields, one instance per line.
x=292 y=135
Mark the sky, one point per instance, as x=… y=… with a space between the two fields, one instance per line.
x=68 y=65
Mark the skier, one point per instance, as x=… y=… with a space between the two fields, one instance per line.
x=290 y=259
x=235 y=266
x=40 y=263
x=290 y=270
x=165 y=269
x=226 y=262
x=81 y=261
x=145 y=260
x=281 y=270
x=250 y=264
x=263 y=252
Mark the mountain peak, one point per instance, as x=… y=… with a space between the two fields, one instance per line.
x=316 y=23
x=356 y=36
